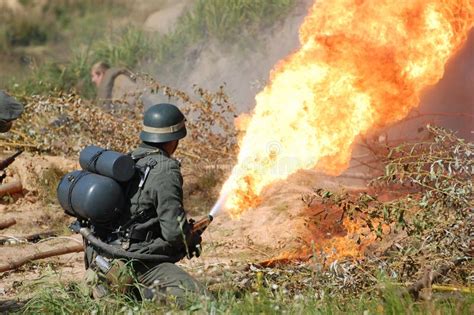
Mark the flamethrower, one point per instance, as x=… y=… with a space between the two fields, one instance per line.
x=201 y=225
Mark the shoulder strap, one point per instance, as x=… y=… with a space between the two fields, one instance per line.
x=140 y=156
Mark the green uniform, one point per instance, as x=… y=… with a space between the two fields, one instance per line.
x=108 y=88
x=161 y=226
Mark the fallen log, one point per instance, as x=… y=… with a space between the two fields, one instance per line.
x=41 y=255
x=7 y=223
x=11 y=188
x=31 y=238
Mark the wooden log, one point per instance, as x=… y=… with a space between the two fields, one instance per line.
x=14 y=264
x=7 y=223
x=11 y=188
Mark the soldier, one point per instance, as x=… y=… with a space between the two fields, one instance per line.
x=10 y=109
x=156 y=222
x=112 y=83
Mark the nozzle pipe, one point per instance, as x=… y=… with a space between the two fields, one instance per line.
x=117 y=252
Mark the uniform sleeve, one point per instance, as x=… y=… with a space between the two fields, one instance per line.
x=173 y=221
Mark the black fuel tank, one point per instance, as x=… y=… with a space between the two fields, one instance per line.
x=86 y=195
x=118 y=166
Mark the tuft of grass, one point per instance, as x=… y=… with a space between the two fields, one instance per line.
x=126 y=48
x=222 y=21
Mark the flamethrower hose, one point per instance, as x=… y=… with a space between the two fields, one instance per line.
x=116 y=252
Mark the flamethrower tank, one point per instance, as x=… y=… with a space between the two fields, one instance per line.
x=118 y=166
x=88 y=196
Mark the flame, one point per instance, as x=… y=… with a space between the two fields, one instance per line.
x=337 y=247
x=362 y=64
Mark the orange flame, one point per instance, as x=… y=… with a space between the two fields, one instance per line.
x=362 y=64
x=333 y=248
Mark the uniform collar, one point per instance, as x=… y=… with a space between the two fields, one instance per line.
x=149 y=148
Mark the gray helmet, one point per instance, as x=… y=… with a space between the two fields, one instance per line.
x=163 y=123
x=10 y=109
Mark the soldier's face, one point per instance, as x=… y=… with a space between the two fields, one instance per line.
x=96 y=77
x=170 y=147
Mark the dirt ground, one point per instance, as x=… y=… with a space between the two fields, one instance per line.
x=280 y=224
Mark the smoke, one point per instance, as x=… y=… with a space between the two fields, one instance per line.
x=243 y=68
x=454 y=94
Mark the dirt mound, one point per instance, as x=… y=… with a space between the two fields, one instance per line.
x=35 y=209
x=164 y=20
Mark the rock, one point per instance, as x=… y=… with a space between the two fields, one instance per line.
x=164 y=20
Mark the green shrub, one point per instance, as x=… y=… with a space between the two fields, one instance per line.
x=125 y=48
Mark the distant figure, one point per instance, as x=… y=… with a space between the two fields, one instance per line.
x=10 y=109
x=112 y=83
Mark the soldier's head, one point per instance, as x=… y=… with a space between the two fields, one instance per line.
x=10 y=109
x=98 y=71
x=163 y=127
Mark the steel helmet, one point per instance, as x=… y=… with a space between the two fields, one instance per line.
x=163 y=123
x=10 y=109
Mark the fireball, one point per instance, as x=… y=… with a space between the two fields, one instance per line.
x=362 y=64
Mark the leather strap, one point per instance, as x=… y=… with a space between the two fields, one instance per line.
x=162 y=130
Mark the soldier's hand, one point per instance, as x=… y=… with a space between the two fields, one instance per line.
x=194 y=245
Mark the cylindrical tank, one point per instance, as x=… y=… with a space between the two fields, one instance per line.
x=86 y=195
x=118 y=166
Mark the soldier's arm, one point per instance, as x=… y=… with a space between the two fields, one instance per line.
x=170 y=211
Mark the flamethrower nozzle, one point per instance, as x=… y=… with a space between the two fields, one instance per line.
x=201 y=225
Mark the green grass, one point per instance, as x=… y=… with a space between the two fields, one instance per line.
x=221 y=21
x=54 y=297
x=54 y=20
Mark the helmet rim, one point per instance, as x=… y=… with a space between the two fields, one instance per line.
x=162 y=138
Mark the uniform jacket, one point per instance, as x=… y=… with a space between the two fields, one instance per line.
x=160 y=203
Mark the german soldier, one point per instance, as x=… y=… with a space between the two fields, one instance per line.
x=156 y=222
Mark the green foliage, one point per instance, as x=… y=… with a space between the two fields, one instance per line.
x=54 y=297
x=427 y=202
x=438 y=172
x=74 y=23
x=38 y=24
x=223 y=21
x=23 y=30
x=228 y=20
x=126 y=48
x=130 y=47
